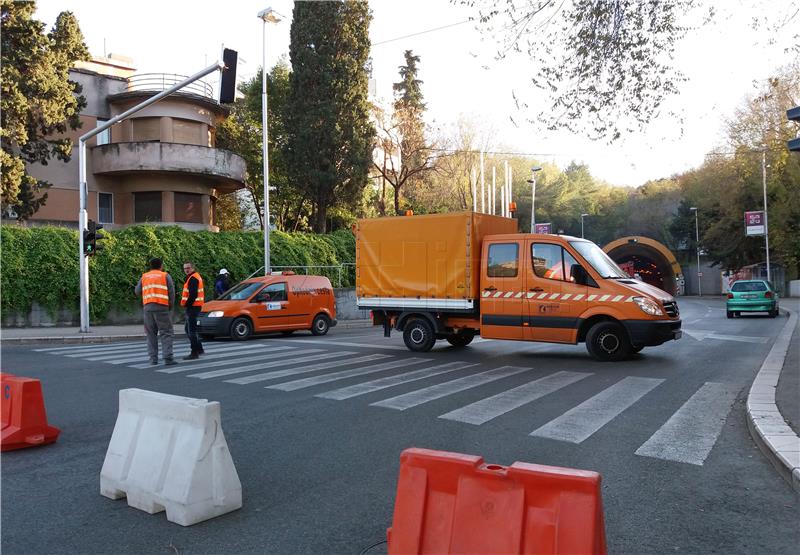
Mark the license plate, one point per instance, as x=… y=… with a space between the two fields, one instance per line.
x=677 y=334
x=748 y=296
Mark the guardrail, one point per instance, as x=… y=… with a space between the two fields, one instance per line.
x=163 y=81
x=346 y=270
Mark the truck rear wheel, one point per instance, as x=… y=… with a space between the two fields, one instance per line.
x=608 y=342
x=418 y=335
x=461 y=339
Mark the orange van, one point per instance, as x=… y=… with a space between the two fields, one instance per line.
x=455 y=276
x=280 y=302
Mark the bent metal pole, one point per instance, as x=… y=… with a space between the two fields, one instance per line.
x=83 y=187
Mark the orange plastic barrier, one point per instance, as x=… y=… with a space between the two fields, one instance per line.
x=454 y=503
x=23 y=414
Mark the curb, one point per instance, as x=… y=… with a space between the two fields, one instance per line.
x=90 y=339
x=769 y=430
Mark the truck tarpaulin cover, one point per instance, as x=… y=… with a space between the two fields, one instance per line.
x=429 y=257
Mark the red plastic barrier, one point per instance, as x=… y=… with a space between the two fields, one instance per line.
x=454 y=503
x=23 y=414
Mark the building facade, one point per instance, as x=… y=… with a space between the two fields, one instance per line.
x=160 y=166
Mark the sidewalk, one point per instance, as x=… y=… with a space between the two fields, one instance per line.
x=773 y=404
x=107 y=334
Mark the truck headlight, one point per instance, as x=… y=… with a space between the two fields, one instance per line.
x=215 y=314
x=648 y=306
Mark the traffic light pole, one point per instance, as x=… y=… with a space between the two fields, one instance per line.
x=84 y=193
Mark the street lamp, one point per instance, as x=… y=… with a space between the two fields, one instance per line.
x=582 y=217
x=267 y=16
x=697 y=236
x=766 y=218
x=532 y=181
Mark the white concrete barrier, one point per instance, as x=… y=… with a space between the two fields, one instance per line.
x=169 y=453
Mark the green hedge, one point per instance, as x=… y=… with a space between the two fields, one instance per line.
x=41 y=264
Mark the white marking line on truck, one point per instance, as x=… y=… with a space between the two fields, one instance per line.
x=186 y=366
x=391 y=381
x=309 y=382
x=529 y=295
x=420 y=396
x=581 y=422
x=553 y=296
x=565 y=297
x=487 y=409
x=691 y=432
x=272 y=364
x=590 y=298
x=604 y=298
x=518 y=295
x=618 y=298
x=542 y=295
x=507 y=295
x=305 y=369
x=578 y=297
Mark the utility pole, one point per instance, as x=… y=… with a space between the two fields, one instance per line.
x=766 y=218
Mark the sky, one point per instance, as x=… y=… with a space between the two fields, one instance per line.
x=723 y=63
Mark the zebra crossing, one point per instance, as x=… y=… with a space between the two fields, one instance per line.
x=688 y=435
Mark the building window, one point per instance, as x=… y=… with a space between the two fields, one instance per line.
x=104 y=137
x=105 y=208
x=187 y=132
x=189 y=208
x=147 y=207
x=146 y=129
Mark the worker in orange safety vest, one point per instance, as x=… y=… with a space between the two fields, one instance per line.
x=158 y=293
x=192 y=300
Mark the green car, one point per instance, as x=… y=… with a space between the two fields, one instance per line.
x=753 y=295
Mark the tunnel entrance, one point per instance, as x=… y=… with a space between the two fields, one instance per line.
x=652 y=261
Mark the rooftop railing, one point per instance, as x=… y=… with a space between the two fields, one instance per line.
x=158 y=82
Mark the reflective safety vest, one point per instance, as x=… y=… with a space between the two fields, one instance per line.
x=154 y=288
x=200 y=294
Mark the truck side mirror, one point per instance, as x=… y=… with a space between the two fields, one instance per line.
x=579 y=274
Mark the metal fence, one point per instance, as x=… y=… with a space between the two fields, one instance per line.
x=342 y=275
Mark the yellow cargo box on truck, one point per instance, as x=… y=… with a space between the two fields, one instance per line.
x=453 y=276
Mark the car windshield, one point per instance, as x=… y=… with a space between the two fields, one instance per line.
x=744 y=286
x=241 y=292
x=599 y=260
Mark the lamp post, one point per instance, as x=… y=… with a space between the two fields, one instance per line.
x=766 y=218
x=697 y=236
x=267 y=15
x=532 y=181
x=582 y=217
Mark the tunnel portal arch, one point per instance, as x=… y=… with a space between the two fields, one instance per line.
x=652 y=260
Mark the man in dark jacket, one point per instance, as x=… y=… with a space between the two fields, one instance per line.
x=222 y=284
x=192 y=299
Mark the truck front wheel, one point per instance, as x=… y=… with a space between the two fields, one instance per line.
x=461 y=339
x=419 y=336
x=608 y=342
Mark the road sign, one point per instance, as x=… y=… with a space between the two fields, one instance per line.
x=543 y=228
x=754 y=223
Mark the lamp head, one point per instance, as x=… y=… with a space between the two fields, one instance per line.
x=269 y=15
x=693 y=209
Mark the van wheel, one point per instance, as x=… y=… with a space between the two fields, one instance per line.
x=608 y=342
x=320 y=325
x=418 y=335
x=241 y=328
x=461 y=339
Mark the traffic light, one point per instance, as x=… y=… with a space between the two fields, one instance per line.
x=90 y=238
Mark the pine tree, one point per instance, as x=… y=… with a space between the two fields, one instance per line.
x=39 y=102
x=328 y=125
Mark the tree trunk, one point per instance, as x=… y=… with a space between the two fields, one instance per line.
x=320 y=218
x=397 y=201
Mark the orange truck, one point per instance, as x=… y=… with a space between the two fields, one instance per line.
x=458 y=275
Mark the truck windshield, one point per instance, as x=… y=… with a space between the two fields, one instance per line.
x=241 y=291
x=599 y=260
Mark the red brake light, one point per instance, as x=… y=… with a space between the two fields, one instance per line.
x=768 y=295
x=730 y=295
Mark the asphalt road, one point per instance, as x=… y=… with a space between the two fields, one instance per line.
x=316 y=438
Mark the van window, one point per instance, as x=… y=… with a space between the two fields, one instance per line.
x=276 y=292
x=569 y=262
x=546 y=260
x=503 y=260
x=241 y=291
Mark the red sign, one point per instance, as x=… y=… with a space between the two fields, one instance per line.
x=754 y=223
x=542 y=228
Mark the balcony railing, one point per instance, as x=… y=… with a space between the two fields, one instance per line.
x=158 y=82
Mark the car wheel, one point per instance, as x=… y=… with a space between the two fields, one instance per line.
x=461 y=339
x=320 y=325
x=773 y=313
x=636 y=349
x=608 y=342
x=418 y=335
x=729 y=314
x=241 y=329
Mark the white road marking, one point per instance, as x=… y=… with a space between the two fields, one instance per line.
x=484 y=410
x=309 y=382
x=183 y=349
x=383 y=383
x=188 y=365
x=691 y=432
x=579 y=423
x=701 y=335
x=272 y=364
x=348 y=344
x=294 y=371
x=98 y=349
x=420 y=396
x=84 y=346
